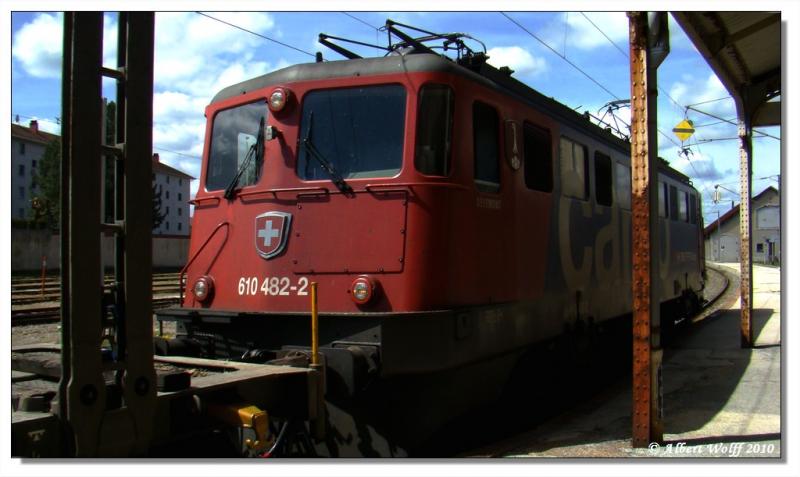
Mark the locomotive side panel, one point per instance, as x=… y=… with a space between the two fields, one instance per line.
x=472 y=261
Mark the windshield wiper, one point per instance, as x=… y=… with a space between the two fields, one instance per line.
x=257 y=150
x=336 y=178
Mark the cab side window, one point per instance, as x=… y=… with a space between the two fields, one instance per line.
x=574 y=181
x=486 y=147
x=622 y=185
x=602 y=179
x=538 y=158
x=434 y=130
x=663 y=205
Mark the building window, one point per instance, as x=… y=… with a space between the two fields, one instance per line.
x=574 y=181
x=167 y=179
x=486 y=146
x=21 y=170
x=167 y=212
x=538 y=158
x=167 y=224
x=180 y=226
x=180 y=211
x=602 y=179
x=180 y=181
x=33 y=164
x=180 y=196
x=434 y=130
x=167 y=193
x=22 y=148
x=759 y=248
x=622 y=185
x=21 y=192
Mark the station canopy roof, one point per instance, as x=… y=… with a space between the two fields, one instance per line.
x=744 y=50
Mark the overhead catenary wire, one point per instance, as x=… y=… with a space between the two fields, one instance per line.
x=682 y=149
x=588 y=76
x=56 y=121
x=578 y=68
x=730 y=122
x=257 y=34
x=361 y=21
x=377 y=29
x=604 y=34
x=669 y=96
x=709 y=101
x=714 y=123
x=158 y=148
x=765 y=178
x=674 y=101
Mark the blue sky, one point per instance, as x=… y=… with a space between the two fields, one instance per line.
x=197 y=56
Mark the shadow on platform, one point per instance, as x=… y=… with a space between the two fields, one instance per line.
x=706 y=395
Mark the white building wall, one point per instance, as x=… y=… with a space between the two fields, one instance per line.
x=24 y=161
x=174 y=204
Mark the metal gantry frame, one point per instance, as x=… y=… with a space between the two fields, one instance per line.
x=86 y=398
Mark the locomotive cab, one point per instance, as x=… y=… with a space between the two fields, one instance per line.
x=316 y=180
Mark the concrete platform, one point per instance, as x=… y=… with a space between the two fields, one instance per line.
x=720 y=400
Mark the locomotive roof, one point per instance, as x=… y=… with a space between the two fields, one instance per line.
x=422 y=62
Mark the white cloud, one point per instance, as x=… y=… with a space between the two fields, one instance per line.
x=179 y=135
x=189 y=47
x=195 y=57
x=37 y=46
x=583 y=35
x=518 y=59
x=572 y=30
x=174 y=103
x=700 y=166
x=692 y=90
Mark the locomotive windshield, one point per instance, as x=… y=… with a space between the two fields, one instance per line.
x=233 y=136
x=358 y=131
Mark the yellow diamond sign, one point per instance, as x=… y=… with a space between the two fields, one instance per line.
x=684 y=129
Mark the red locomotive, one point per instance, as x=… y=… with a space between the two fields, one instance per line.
x=451 y=215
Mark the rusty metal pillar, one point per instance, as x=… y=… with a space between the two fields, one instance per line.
x=647 y=426
x=745 y=224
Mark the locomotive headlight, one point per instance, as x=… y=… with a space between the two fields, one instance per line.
x=278 y=99
x=362 y=290
x=203 y=288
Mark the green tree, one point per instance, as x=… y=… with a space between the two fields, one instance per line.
x=47 y=202
x=158 y=216
x=110 y=162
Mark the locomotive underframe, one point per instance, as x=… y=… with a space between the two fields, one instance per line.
x=362 y=346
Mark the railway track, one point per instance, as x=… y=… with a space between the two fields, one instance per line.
x=32 y=303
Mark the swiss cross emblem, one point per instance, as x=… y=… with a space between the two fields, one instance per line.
x=272 y=232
